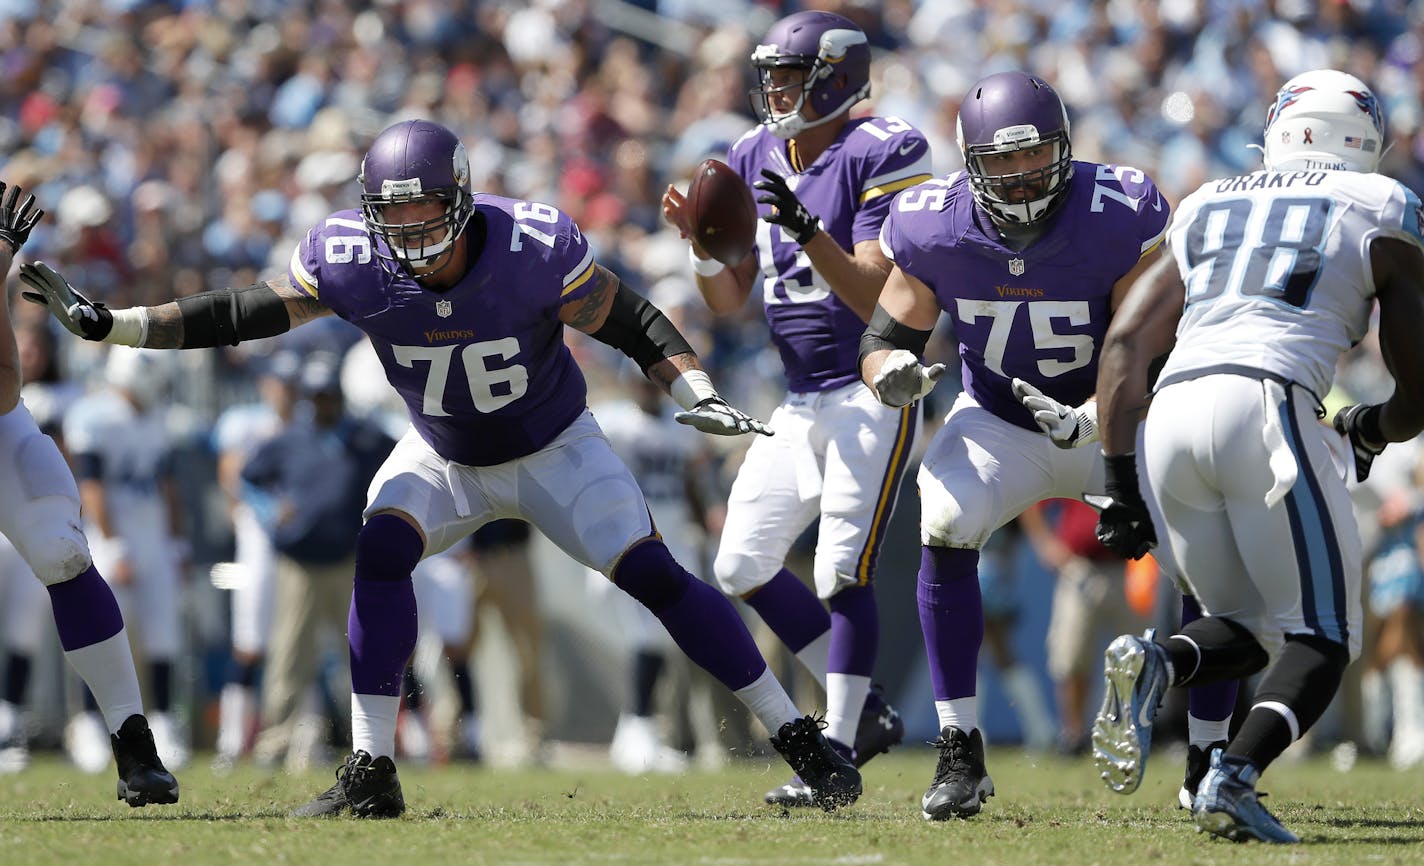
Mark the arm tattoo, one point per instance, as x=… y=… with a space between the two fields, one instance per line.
x=666 y=371
x=301 y=307
x=588 y=312
x=165 y=327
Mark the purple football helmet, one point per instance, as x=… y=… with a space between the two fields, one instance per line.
x=835 y=57
x=1007 y=112
x=416 y=160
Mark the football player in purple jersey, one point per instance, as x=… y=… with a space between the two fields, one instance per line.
x=39 y=514
x=827 y=181
x=1029 y=252
x=465 y=297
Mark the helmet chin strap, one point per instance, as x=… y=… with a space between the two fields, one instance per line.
x=787 y=126
x=429 y=251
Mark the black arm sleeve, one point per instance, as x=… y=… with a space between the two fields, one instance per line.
x=229 y=316
x=640 y=330
x=884 y=332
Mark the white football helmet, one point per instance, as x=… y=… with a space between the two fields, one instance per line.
x=1324 y=119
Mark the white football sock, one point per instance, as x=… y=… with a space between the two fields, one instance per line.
x=373 y=724
x=768 y=701
x=845 y=698
x=1203 y=732
x=816 y=657
x=107 y=667
x=961 y=713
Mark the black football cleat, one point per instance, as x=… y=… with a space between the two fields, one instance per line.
x=961 y=783
x=142 y=777
x=832 y=777
x=366 y=787
x=880 y=727
x=1198 y=763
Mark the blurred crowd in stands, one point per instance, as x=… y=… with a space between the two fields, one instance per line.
x=187 y=145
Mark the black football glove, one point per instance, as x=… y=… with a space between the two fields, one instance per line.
x=787 y=210
x=81 y=316
x=1124 y=525
x=1361 y=425
x=16 y=222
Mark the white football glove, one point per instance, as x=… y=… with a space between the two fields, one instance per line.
x=714 y=416
x=903 y=379
x=1066 y=426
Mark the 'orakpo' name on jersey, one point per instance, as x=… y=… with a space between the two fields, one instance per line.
x=1277 y=271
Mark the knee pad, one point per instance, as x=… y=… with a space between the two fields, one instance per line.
x=739 y=573
x=387 y=548
x=648 y=572
x=51 y=539
x=962 y=519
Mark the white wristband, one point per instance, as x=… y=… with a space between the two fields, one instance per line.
x=691 y=388
x=130 y=327
x=704 y=267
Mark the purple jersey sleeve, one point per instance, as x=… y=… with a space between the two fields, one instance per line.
x=1039 y=313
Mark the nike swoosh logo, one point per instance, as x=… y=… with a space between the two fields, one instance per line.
x=1144 y=715
x=1157 y=203
x=906 y=148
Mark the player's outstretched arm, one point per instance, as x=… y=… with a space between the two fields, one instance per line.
x=619 y=317
x=219 y=318
x=17 y=219
x=896 y=337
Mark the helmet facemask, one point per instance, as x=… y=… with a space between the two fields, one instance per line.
x=421 y=248
x=996 y=192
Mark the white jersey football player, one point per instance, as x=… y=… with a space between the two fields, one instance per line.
x=1273 y=275
x=119 y=441
x=39 y=515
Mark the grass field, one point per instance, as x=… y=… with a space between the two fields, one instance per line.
x=1047 y=811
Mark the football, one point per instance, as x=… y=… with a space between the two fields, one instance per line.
x=721 y=212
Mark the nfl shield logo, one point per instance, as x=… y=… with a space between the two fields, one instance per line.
x=443 y=309
x=1016 y=267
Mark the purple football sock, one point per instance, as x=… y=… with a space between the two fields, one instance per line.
x=855 y=631
x=790 y=609
x=952 y=619
x=1214 y=702
x=701 y=621
x=85 y=610
x=382 y=624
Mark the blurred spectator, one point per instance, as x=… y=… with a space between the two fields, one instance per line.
x=307 y=487
x=251 y=576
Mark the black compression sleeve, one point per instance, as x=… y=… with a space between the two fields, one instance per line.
x=229 y=316
x=640 y=330
x=884 y=332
